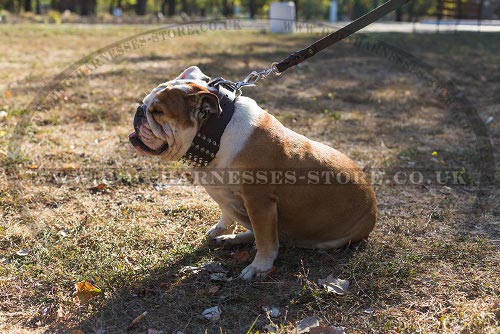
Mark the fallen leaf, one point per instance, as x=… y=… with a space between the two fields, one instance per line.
x=326 y=330
x=8 y=94
x=23 y=252
x=242 y=256
x=100 y=187
x=85 y=291
x=3 y=115
x=70 y=166
x=213 y=289
x=77 y=331
x=137 y=320
x=305 y=325
x=212 y=313
x=335 y=285
x=34 y=166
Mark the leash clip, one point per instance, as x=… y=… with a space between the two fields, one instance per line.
x=254 y=76
x=233 y=89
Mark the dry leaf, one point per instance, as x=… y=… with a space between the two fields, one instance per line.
x=85 y=291
x=137 y=320
x=8 y=94
x=3 y=115
x=76 y=331
x=69 y=166
x=100 y=187
x=335 y=285
x=242 y=256
x=34 y=166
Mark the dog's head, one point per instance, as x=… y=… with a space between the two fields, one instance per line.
x=172 y=114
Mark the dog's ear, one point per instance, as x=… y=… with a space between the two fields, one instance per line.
x=204 y=103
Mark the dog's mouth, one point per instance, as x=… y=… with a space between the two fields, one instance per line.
x=137 y=143
x=135 y=140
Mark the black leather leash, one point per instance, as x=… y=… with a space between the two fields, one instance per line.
x=299 y=56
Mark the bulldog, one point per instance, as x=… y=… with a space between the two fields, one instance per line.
x=309 y=206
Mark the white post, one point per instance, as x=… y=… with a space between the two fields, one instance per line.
x=333 y=11
x=282 y=17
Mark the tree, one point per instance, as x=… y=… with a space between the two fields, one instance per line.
x=87 y=7
x=140 y=8
x=252 y=7
x=27 y=6
x=227 y=8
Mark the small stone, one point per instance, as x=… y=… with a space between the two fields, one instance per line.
x=3 y=115
x=23 y=252
x=212 y=313
x=272 y=311
x=306 y=324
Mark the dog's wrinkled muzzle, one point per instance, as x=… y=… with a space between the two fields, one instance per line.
x=139 y=119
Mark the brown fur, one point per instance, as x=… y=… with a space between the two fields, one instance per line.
x=308 y=214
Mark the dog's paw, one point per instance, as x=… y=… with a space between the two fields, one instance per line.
x=243 y=238
x=215 y=231
x=257 y=271
x=226 y=239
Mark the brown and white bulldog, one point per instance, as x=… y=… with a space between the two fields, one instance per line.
x=309 y=207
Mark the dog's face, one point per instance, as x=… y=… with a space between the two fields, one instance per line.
x=170 y=118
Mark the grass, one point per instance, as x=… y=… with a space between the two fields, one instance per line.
x=430 y=266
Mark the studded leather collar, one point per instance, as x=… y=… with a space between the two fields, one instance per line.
x=206 y=143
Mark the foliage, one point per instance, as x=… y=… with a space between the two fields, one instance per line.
x=306 y=9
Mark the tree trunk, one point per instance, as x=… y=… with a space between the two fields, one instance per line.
x=171 y=7
x=87 y=7
x=252 y=8
x=27 y=6
x=141 y=7
x=226 y=8
x=111 y=6
x=38 y=7
x=9 y=5
x=399 y=15
x=184 y=6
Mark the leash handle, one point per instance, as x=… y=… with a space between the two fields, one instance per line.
x=299 y=56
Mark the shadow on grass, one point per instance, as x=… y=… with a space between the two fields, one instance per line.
x=175 y=299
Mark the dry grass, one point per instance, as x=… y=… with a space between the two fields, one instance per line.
x=431 y=265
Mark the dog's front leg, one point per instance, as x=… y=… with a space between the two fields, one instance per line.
x=263 y=214
x=224 y=226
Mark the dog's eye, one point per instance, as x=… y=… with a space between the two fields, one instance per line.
x=156 y=112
